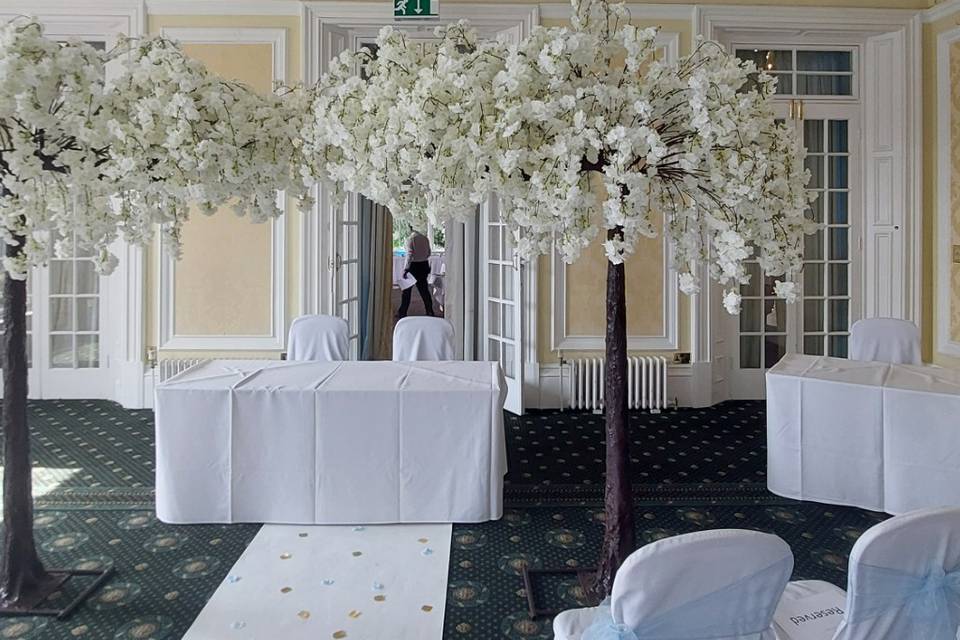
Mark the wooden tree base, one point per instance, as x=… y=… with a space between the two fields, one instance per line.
x=33 y=607
x=585 y=576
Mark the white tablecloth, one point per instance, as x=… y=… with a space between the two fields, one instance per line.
x=873 y=435
x=331 y=442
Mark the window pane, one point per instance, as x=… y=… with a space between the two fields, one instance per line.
x=838 y=346
x=838 y=172
x=815 y=210
x=813 y=345
x=61 y=352
x=494 y=316
x=508 y=362
x=813 y=246
x=508 y=274
x=815 y=165
x=838 y=280
x=813 y=279
x=494 y=281
x=61 y=314
x=838 y=207
x=749 y=352
x=775 y=315
x=61 y=276
x=784 y=83
x=824 y=61
x=812 y=316
x=750 y=315
x=753 y=288
x=839 y=243
x=88 y=352
x=838 y=136
x=776 y=60
x=813 y=135
x=88 y=314
x=823 y=85
x=774 y=348
x=507 y=310
x=839 y=310
x=494 y=350
x=87 y=279
x=494 y=242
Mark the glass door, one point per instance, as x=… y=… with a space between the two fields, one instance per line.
x=502 y=308
x=345 y=265
x=829 y=302
x=70 y=317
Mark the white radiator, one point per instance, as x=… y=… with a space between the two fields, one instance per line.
x=168 y=368
x=646 y=383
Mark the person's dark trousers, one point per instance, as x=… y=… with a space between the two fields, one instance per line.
x=420 y=271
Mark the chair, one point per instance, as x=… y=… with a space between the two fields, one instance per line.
x=722 y=585
x=319 y=339
x=885 y=340
x=903 y=583
x=423 y=338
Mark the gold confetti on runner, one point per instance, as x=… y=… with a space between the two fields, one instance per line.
x=380 y=598
x=286 y=556
x=339 y=634
x=357 y=553
x=423 y=540
x=304 y=615
x=286 y=590
x=354 y=614
x=426 y=608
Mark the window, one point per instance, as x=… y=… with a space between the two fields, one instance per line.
x=807 y=72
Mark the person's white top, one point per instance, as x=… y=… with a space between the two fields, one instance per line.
x=903 y=583
x=319 y=339
x=423 y=338
x=885 y=340
x=722 y=585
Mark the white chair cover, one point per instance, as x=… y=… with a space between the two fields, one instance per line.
x=722 y=585
x=885 y=340
x=423 y=338
x=904 y=579
x=319 y=339
x=904 y=582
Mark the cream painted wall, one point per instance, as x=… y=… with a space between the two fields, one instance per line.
x=931 y=305
x=223 y=279
x=586 y=278
x=685 y=29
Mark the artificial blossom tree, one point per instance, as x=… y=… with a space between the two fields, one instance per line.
x=581 y=131
x=85 y=163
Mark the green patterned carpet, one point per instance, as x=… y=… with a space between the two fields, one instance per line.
x=693 y=470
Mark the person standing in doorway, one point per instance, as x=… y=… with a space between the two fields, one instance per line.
x=418 y=266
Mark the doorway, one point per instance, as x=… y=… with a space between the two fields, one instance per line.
x=819 y=102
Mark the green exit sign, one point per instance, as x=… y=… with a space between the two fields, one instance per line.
x=416 y=8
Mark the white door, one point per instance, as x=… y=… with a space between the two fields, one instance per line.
x=345 y=235
x=502 y=319
x=70 y=319
x=830 y=301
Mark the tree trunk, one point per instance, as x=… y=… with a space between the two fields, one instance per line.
x=23 y=580
x=619 y=539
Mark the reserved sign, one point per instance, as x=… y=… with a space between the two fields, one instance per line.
x=811 y=617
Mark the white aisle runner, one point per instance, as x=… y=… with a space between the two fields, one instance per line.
x=362 y=583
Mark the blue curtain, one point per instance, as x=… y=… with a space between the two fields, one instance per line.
x=376 y=274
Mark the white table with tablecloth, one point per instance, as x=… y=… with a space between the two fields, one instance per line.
x=331 y=442
x=879 y=436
